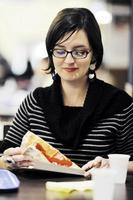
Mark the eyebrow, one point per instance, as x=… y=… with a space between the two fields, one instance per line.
x=74 y=47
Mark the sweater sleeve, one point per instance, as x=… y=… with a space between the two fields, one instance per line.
x=19 y=127
x=125 y=137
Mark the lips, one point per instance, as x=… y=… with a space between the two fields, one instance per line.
x=70 y=69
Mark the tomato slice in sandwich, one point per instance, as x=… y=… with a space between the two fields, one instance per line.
x=57 y=158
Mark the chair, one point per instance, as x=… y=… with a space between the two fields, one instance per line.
x=4 y=127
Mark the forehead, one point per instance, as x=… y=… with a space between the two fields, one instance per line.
x=78 y=38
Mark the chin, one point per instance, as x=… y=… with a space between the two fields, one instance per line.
x=71 y=79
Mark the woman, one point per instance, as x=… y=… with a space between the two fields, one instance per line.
x=85 y=118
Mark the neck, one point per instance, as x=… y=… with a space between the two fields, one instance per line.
x=74 y=93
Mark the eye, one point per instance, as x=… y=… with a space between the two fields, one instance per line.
x=79 y=53
x=59 y=51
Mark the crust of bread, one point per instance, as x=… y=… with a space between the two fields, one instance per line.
x=32 y=139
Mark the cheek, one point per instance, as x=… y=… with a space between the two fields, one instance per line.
x=57 y=63
x=85 y=70
x=84 y=66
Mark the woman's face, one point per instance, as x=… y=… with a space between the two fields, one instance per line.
x=70 y=68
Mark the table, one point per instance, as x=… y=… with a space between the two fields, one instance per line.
x=32 y=187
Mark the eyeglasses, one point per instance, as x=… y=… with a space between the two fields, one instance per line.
x=76 y=54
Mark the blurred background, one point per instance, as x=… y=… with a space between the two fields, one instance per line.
x=23 y=27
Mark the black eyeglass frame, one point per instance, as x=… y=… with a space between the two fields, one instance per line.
x=71 y=52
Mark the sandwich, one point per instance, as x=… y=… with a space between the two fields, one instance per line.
x=40 y=150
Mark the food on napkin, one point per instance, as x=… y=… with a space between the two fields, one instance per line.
x=66 y=190
x=41 y=150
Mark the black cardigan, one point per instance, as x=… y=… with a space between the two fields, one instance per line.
x=102 y=101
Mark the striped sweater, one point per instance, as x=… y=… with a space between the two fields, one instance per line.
x=104 y=125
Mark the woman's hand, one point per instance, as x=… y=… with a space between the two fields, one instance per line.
x=98 y=162
x=15 y=158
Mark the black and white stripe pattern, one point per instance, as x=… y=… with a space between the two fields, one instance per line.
x=110 y=135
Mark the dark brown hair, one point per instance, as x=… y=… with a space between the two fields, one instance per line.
x=70 y=20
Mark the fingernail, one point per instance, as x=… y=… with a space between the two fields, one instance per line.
x=9 y=161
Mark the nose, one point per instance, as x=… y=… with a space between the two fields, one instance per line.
x=69 y=59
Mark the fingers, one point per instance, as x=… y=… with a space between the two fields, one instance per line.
x=14 y=158
x=104 y=163
x=18 y=161
x=98 y=162
x=93 y=163
x=24 y=164
x=20 y=158
x=13 y=151
x=88 y=165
